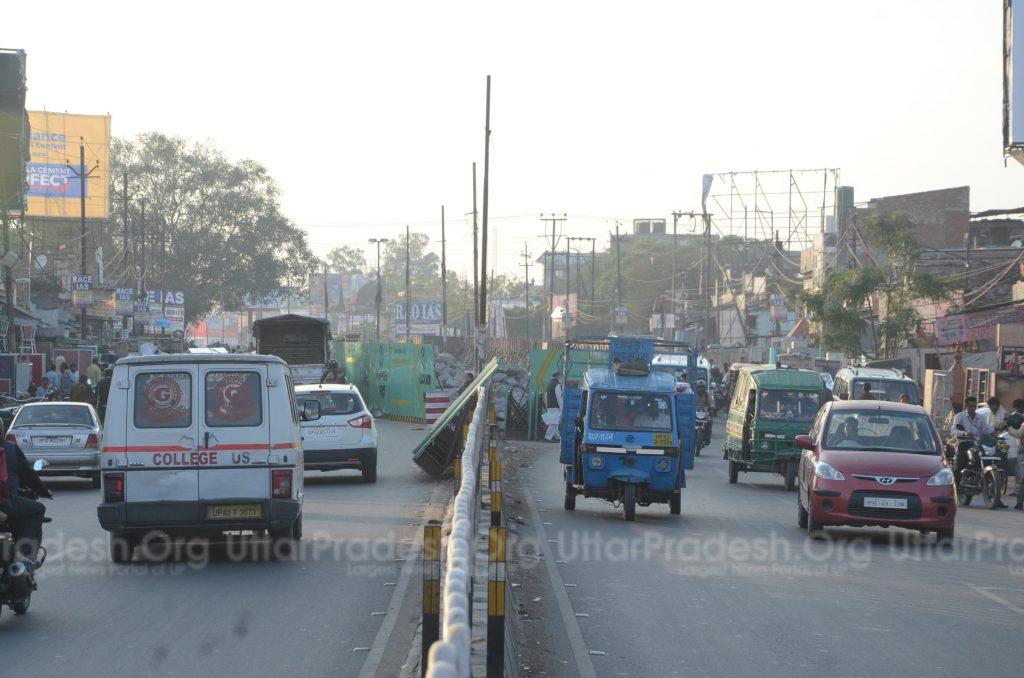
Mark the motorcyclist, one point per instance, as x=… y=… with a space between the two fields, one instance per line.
x=24 y=515
x=968 y=429
x=704 y=403
x=334 y=374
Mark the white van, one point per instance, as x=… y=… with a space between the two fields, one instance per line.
x=201 y=444
x=887 y=383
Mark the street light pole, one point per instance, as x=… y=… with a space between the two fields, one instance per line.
x=83 y=177
x=378 y=241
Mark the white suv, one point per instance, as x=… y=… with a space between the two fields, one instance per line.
x=344 y=437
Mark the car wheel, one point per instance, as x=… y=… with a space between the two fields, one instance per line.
x=283 y=541
x=96 y=482
x=370 y=474
x=801 y=513
x=944 y=537
x=815 y=530
x=629 y=501
x=734 y=472
x=675 y=503
x=570 y=497
x=21 y=606
x=122 y=548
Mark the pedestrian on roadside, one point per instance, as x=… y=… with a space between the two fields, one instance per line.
x=66 y=382
x=81 y=392
x=103 y=392
x=94 y=372
x=553 y=401
x=1015 y=427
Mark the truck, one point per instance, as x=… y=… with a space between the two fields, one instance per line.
x=301 y=341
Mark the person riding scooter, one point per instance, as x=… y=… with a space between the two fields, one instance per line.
x=704 y=403
x=24 y=515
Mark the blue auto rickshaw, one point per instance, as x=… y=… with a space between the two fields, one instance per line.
x=627 y=436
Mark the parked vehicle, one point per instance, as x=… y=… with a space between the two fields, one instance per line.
x=301 y=341
x=200 y=445
x=771 y=406
x=985 y=473
x=67 y=434
x=627 y=436
x=887 y=383
x=17 y=579
x=345 y=435
x=875 y=463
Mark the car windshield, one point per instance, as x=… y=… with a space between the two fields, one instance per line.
x=887 y=390
x=331 y=403
x=630 y=412
x=790 y=405
x=883 y=431
x=55 y=415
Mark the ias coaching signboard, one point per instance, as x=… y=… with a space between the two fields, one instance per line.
x=424 y=319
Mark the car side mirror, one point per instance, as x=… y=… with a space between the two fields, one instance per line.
x=39 y=465
x=310 y=410
x=377 y=412
x=804 y=442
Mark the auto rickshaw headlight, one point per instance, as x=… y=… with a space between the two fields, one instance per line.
x=662 y=464
x=597 y=461
x=943 y=477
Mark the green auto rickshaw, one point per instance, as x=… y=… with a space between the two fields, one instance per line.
x=770 y=407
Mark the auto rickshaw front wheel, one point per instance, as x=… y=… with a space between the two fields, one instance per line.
x=629 y=501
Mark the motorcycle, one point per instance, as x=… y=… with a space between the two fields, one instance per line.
x=702 y=421
x=985 y=473
x=17 y=578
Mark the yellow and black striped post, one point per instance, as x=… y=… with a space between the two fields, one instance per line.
x=495 y=473
x=431 y=590
x=496 y=602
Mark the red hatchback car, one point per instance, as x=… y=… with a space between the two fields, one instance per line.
x=872 y=462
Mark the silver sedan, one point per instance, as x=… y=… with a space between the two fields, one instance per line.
x=67 y=435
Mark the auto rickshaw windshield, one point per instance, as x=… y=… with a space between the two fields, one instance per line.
x=630 y=412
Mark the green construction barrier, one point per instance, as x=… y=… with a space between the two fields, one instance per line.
x=391 y=377
x=544 y=362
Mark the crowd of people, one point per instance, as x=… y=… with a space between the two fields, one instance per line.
x=64 y=381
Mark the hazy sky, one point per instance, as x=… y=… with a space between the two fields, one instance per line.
x=370 y=114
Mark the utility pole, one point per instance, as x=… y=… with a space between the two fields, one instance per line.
x=444 y=281
x=326 y=298
x=476 y=263
x=124 y=205
x=482 y=319
x=526 y=285
x=83 y=177
x=549 y=268
x=12 y=335
x=706 y=262
x=618 y=273
x=408 y=291
x=379 y=293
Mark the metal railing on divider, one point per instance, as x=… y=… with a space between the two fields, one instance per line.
x=449 y=657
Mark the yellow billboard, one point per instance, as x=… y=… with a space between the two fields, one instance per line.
x=55 y=172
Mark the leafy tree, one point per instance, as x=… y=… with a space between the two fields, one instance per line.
x=839 y=305
x=347 y=259
x=213 y=228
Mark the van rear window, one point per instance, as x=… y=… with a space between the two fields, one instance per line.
x=233 y=399
x=163 y=400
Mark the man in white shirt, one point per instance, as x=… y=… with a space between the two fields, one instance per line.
x=996 y=414
x=969 y=427
x=653 y=417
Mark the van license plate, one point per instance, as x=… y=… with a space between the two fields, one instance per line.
x=228 y=511
x=885 y=502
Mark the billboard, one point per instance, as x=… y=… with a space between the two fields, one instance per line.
x=54 y=186
x=1013 y=83
x=425 y=319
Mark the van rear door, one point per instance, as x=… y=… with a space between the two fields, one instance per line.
x=162 y=483
x=234 y=432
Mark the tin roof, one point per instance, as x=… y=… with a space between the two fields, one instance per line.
x=773 y=377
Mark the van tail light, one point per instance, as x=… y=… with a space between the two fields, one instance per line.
x=11 y=438
x=282 y=484
x=92 y=441
x=113 y=487
x=365 y=421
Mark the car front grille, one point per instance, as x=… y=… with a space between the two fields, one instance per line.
x=856 y=506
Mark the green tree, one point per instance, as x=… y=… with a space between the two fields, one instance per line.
x=213 y=228
x=347 y=259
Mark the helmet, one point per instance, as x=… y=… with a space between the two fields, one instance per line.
x=332 y=363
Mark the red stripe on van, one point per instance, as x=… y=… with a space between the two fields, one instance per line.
x=148 y=448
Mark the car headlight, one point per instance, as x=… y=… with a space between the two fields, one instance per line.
x=596 y=461
x=944 y=476
x=827 y=472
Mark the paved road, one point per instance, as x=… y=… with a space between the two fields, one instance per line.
x=317 y=615
x=734 y=588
